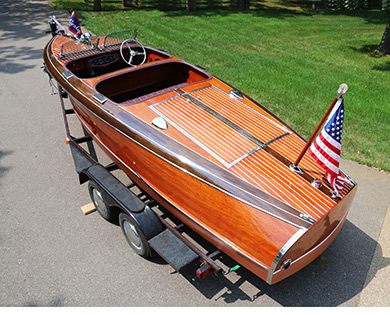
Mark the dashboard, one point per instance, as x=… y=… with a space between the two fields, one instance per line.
x=102 y=61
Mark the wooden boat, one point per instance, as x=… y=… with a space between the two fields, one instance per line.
x=212 y=156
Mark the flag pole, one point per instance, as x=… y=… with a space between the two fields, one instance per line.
x=340 y=92
x=53 y=18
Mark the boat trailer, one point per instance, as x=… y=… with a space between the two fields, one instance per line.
x=147 y=221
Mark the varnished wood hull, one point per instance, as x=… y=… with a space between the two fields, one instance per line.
x=270 y=229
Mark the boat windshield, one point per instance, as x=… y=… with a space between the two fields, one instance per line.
x=115 y=39
x=104 y=55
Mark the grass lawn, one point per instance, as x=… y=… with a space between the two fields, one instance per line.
x=289 y=59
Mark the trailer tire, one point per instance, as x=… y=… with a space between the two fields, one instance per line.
x=134 y=235
x=108 y=213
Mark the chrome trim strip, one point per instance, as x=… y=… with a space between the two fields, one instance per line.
x=276 y=139
x=244 y=156
x=283 y=250
x=287 y=246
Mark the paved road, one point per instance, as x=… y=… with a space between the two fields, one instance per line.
x=53 y=255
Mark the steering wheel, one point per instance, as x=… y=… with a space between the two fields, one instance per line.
x=135 y=48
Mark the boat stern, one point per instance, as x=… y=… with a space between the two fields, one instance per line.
x=307 y=244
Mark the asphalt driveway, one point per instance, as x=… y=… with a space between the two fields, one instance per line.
x=53 y=255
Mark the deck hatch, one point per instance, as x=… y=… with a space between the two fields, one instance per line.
x=217 y=138
x=220 y=133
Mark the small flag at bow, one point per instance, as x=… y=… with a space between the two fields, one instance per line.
x=327 y=147
x=74 y=25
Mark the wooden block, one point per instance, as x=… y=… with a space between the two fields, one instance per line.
x=89 y=208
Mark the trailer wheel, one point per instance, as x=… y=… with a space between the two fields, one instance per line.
x=134 y=235
x=107 y=212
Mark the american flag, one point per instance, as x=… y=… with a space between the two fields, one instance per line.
x=327 y=147
x=74 y=25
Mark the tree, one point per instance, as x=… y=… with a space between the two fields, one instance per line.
x=97 y=5
x=384 y=46
x=125 y=3
x=190 y=5
x=243 y=5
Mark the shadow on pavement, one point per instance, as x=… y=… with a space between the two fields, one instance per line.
x=348 y=261
x=21 y=20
